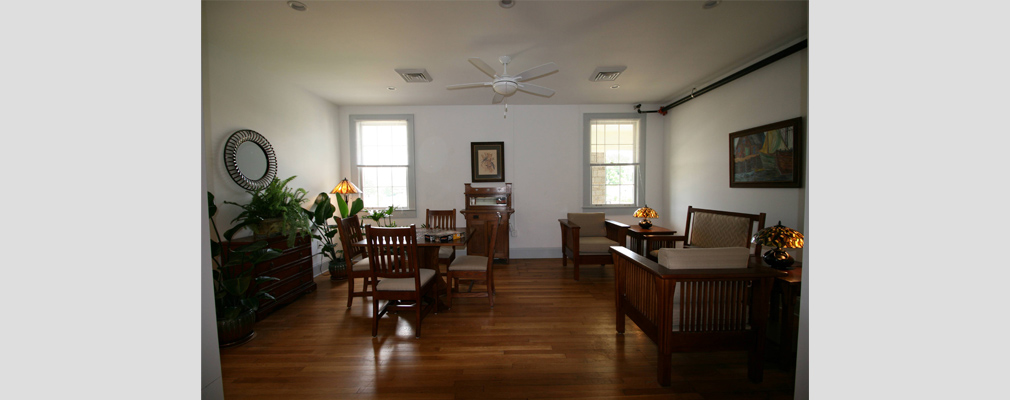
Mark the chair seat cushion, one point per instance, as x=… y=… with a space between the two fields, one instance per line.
x=469 y=263
x=596 y=244
x=404 y=284
x=446 y=251
x=360 y=265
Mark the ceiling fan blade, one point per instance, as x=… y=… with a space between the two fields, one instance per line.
x=497 y=98
x=468 y=85
x=537 y=90
x=537 y=72
x=483 y=67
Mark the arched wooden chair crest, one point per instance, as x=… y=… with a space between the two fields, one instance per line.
x=475 y=268
x=392 y=253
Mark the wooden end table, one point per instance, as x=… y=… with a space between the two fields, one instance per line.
x=788 y=287
x=636 y=237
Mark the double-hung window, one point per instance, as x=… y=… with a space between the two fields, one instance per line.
x=382 y=159
x=614 y=172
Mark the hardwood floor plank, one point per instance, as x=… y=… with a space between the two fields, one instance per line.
x=548 y=337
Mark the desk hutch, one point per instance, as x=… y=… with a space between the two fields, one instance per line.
x=482 y=204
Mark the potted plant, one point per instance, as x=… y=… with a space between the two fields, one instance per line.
x=379 y=215
x=274 y=209
x=322 y=211
x=236 y=291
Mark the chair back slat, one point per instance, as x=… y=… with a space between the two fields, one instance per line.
x=392 y=252
x=350 y=232
x=440 y=219
x=712 y=305
x=491 y=227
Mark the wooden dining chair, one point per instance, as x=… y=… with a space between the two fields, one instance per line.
x=356 y=257
x=474 y=268
x=392 y=253
x=442 y=219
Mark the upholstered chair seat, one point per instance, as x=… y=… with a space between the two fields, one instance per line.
x=360 y=265
x=404 y=284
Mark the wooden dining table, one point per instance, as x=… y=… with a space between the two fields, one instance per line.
x=427 y=252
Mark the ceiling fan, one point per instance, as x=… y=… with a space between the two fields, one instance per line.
x=505 y=85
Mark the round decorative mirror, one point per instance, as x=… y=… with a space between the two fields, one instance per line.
x=250 y=159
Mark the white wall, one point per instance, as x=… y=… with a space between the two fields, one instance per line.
x=543 y=161
x=698 y=145
x=300 y=126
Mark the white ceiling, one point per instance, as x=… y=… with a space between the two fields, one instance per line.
x=346 y=51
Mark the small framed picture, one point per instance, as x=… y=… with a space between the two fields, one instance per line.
x=768 y=156
x=487 y=161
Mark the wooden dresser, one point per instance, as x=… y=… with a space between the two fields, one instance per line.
x=483 y=204
x=293 y=268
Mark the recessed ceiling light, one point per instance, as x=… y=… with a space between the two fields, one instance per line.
x=710 y=4
x=391 y=88
x=615 y=86
x=506 y=3
x=297 y=5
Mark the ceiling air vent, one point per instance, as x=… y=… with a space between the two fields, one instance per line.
x=414 y=75
x=606 y=74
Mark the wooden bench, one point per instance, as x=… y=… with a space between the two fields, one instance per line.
x=689 y=310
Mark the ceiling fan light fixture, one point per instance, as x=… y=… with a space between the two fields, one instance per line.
x=606 y=74
x=505 y=88
x=414 y=75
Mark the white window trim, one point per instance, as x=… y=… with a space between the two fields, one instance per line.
x=411 y=210
x=587 y=176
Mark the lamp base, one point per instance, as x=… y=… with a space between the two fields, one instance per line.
x=779 y=259
x=645 y=224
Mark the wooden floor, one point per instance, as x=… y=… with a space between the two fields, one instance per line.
x=548 y=337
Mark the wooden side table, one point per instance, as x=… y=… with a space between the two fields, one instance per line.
x=785 y=290
x=636 y=237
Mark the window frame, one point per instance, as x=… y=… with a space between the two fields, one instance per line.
x=587 y=175
x=411 y=210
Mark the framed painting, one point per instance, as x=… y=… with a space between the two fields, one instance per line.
x=768 y=156
x=487 y=161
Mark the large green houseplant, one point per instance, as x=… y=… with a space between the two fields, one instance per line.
x=273 y=209
x=322 y=210
x=236 y=290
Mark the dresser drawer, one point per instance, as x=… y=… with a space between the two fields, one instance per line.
x=289 y=256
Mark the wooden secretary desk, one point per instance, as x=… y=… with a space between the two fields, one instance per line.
x=483 y=204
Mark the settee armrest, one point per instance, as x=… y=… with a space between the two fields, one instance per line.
x=656 y=242
x=569 y=235
x=616 y=231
